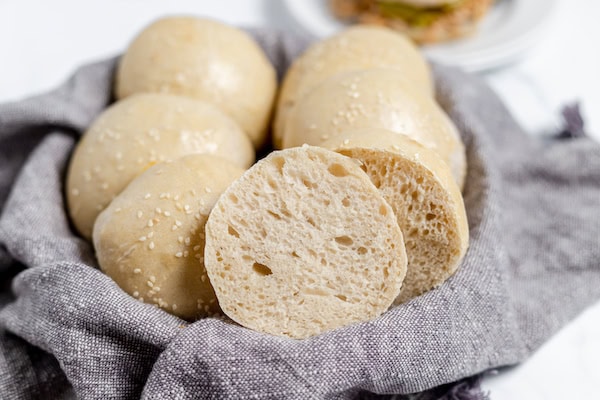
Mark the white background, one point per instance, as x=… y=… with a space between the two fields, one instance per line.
x=42 y=42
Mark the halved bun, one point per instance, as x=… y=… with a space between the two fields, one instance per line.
x=425 y=199
x=304 y=243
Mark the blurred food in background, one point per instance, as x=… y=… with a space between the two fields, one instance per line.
x=425 y=21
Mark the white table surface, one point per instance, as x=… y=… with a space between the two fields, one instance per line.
x=42 y=42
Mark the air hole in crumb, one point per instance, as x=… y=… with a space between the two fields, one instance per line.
x=346 y=202
x=420 y=180
x=311 y=221
x=219 y=257
x=429 y=216
x=309 y=184
x=232 y=231
x=261 y=269
x=233 y=198
x=294 y=254
x=414 y=195
x=362 y=251
x=279 y=162
x=272 y=183
x=246 y=257
x=274 y=215
x=344 y=240
x=338 y=170
x=341 y=297
x=383 y=210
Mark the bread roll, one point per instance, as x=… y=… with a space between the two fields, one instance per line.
x=138 y=132
x=425 y=199
x=356 y=48
x=150 y=239
x=206 y=60
x=374 y=99
x=303 y=243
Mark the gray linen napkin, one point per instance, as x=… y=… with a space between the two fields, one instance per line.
x=67 y=330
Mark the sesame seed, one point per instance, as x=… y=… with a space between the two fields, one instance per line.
x=158 y=210
x=174 y=307
x=346 y=141
x=157 y=289
x=198 y=256
x=179 y=254
x=141 y=299
x=174 y=228
x=150 y=234
x=193 y=192
x=140 y=214
x=150 y=284
x=167 y=214
x=142 y=239
x=212 y=301
x=137 y=271
x=208 y=190
x=147 y=196
x=151 y=245
x=150 y=223
x=187 y=241
x=186 y=253
x=180 y=239
x=178 y=223
x=136 y=294
x=196 y=247
x=176 y=197
x=75 y=192
x=118 y=209
x=203 y=278
x=152 y=278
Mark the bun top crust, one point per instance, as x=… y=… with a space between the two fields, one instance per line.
x=206 y=60
x=137 y=132
x=356 y=48
x=377 y=98
x=150 y=239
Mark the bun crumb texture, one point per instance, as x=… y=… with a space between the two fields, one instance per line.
x=303 y=243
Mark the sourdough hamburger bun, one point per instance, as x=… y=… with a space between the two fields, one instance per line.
x=136 y=133
x=426 y=201
x=425 y=21
x=375 y=99
x=303 y=243
x=150 y=239
x=206 y=60
x=356 y=48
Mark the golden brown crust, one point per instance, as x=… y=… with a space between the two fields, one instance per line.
x=455 y=23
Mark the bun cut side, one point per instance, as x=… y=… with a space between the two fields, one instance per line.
x=303 y=243
x=426 y=201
